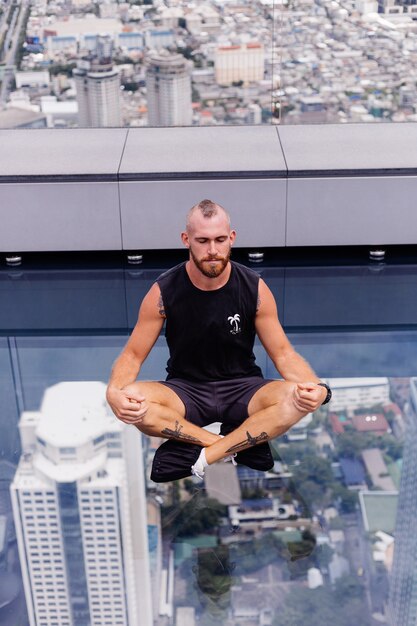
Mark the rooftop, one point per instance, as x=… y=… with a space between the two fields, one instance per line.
x=352 y=383
x=379 y=510
x=74 y=413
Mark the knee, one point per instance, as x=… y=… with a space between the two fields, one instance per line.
x=286 y=412
x=149 y=420
x=131 y=388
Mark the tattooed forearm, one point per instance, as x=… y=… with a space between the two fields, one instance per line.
x=161 y=307
x=177 y=434
x=250 y=441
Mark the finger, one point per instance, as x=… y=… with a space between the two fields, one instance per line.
x=315 y=401
x=307 y=386
x=138 y=412
x=133 y=414
x=136 y=399
x=299 y=407
x=309 y=400
x=131 y=420
x=304 y=398
x=313 y=394
x=133 y=405
x=305 y=394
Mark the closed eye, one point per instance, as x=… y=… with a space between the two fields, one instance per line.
x=218 y=239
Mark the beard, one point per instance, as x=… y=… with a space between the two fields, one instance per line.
x=205 y=267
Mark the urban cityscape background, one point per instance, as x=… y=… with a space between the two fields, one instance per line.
x=87 y=539
x=84 y=63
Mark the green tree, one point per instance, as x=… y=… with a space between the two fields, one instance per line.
x=197 y=516
x=252 y=555
x=315 y=469
x=213 y=581
x=296 y=451
x=348 y=498
x=321 y=606
x=313 y=478
x=213 y=571
x=351 y=443
x=391 y=446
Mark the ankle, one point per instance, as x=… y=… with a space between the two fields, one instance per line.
x=200 y=465
x=209 y=456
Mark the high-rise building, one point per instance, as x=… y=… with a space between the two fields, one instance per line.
x=79 y=507
x=98 y=87
x=168 y=88
x=358 y=393
x=403 y=583
x=239 y=63
x=254 y=114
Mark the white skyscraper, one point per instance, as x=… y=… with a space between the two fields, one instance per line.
x=79 y=507
x=168 y=88
x=402 y=607
x=98 y=88
x=239 y=63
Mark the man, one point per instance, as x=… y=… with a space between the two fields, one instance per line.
x=212 y=307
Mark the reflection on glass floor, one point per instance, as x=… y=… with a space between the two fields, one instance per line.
x=326 y=536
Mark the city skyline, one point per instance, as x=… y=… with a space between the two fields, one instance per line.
x=298 y=62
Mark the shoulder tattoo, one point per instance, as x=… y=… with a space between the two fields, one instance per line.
x=161 y=308
x=258 y=303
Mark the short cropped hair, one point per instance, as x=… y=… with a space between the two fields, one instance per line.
x=208 y=208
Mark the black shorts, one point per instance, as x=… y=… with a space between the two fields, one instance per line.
x=224 y=401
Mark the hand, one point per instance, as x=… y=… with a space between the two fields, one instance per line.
x=127 y=404
x=308 y=396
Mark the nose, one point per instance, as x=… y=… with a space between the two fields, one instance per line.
x=212 y=248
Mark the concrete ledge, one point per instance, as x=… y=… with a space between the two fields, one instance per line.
x=320 y=185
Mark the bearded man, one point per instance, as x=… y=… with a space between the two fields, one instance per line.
x=213 y=308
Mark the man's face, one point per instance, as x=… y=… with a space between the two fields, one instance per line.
x=209 y=241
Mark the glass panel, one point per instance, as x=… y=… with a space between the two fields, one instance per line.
x=327 y=535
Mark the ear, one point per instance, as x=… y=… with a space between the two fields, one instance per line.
x=232 y=236
x=185 y=239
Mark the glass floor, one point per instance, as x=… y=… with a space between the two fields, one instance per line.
x=326 y=537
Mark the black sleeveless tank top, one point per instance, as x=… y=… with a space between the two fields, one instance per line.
x=210 y=334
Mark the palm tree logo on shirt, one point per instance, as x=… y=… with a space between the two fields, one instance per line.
x=234 y=322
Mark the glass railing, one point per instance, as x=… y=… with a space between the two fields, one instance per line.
x=325 y=536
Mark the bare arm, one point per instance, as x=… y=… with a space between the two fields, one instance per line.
x=287 y=361
x=145 y=333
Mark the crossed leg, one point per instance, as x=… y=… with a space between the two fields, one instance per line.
x=271 y=413
x=166 y=416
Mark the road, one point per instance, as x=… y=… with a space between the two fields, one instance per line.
x=11 y=44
